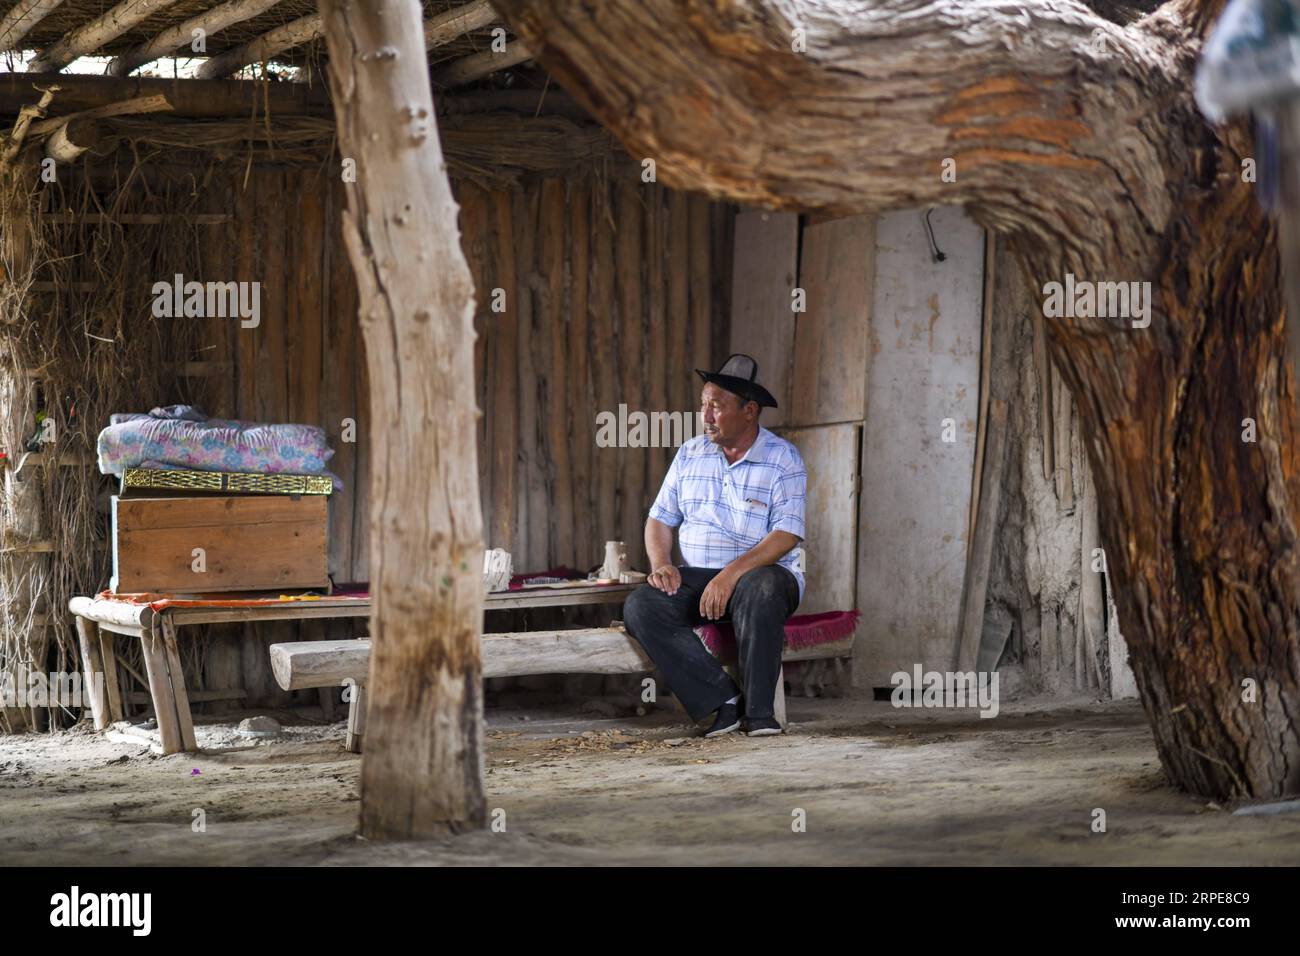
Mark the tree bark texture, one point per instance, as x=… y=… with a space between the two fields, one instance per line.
x=422 y=772
x=1077 y=139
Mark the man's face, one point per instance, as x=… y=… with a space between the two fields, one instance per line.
x=727 y=416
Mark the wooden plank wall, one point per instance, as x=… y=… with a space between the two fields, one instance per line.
x=611 y=292
x=766 y=267
x=815 y=364
x=914 y=511
x=304 y=363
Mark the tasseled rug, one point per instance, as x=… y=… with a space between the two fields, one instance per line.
x=801 y=631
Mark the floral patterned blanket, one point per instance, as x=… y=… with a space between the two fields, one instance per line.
x=181 y=436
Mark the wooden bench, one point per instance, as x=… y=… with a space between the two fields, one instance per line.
x=593 y=650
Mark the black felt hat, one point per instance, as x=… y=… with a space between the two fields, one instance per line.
x=737 y=375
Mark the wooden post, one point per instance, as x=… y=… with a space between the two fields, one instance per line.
x=184 y=719
x=422 y=773
x=606 y=460
x=112 y=687
x=154 y=647
x=980 y=552
x=87 y=634
x=356 y=719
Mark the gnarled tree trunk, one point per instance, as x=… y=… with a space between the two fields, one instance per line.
x=1077 y=138
x=422 y=772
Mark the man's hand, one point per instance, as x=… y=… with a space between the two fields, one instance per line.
x=666 y=578
x=713 y=602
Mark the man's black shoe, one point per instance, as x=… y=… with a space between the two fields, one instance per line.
x=728 y=720
x=762 y=727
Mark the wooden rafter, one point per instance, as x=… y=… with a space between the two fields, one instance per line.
x=300 y=31
x=71 y=139
x=478 y=65
x=194 y=98
x=175 y=37
x=456 y=22
x=437 y=31
x=24 y=15
x=90 y=36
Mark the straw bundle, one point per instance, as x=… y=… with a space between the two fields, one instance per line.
x=78 y=341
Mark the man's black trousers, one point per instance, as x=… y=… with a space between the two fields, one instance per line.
x=664 y=625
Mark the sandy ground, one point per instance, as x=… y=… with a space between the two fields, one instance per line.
x=877 y=785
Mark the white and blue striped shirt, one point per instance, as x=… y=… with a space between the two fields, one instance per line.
x=724 y=510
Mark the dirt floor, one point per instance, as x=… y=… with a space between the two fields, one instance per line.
x=877 y=785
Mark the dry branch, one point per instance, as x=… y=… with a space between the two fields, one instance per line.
x=14 y=141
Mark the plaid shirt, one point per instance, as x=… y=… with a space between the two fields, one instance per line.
x=724 y=510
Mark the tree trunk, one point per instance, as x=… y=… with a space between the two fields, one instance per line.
x=422 y=772
x=1076 y=138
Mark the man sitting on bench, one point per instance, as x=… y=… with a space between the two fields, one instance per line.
x=737 y=494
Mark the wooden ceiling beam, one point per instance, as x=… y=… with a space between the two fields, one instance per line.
x=22 y=16
x=182 y=34
x=91 y=36
x=478 y=65
x=191 y=98
x=437 y=31
x=300 y=31
x=457 y=22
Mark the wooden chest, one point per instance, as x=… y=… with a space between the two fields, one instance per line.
x=234 y=543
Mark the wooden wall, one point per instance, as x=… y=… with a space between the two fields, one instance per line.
x=886 y=348
x=305 y=362
x=923 y=369
x=612 y=292
x=814 y=363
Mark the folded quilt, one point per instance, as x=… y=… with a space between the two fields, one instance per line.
x=181 y=436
